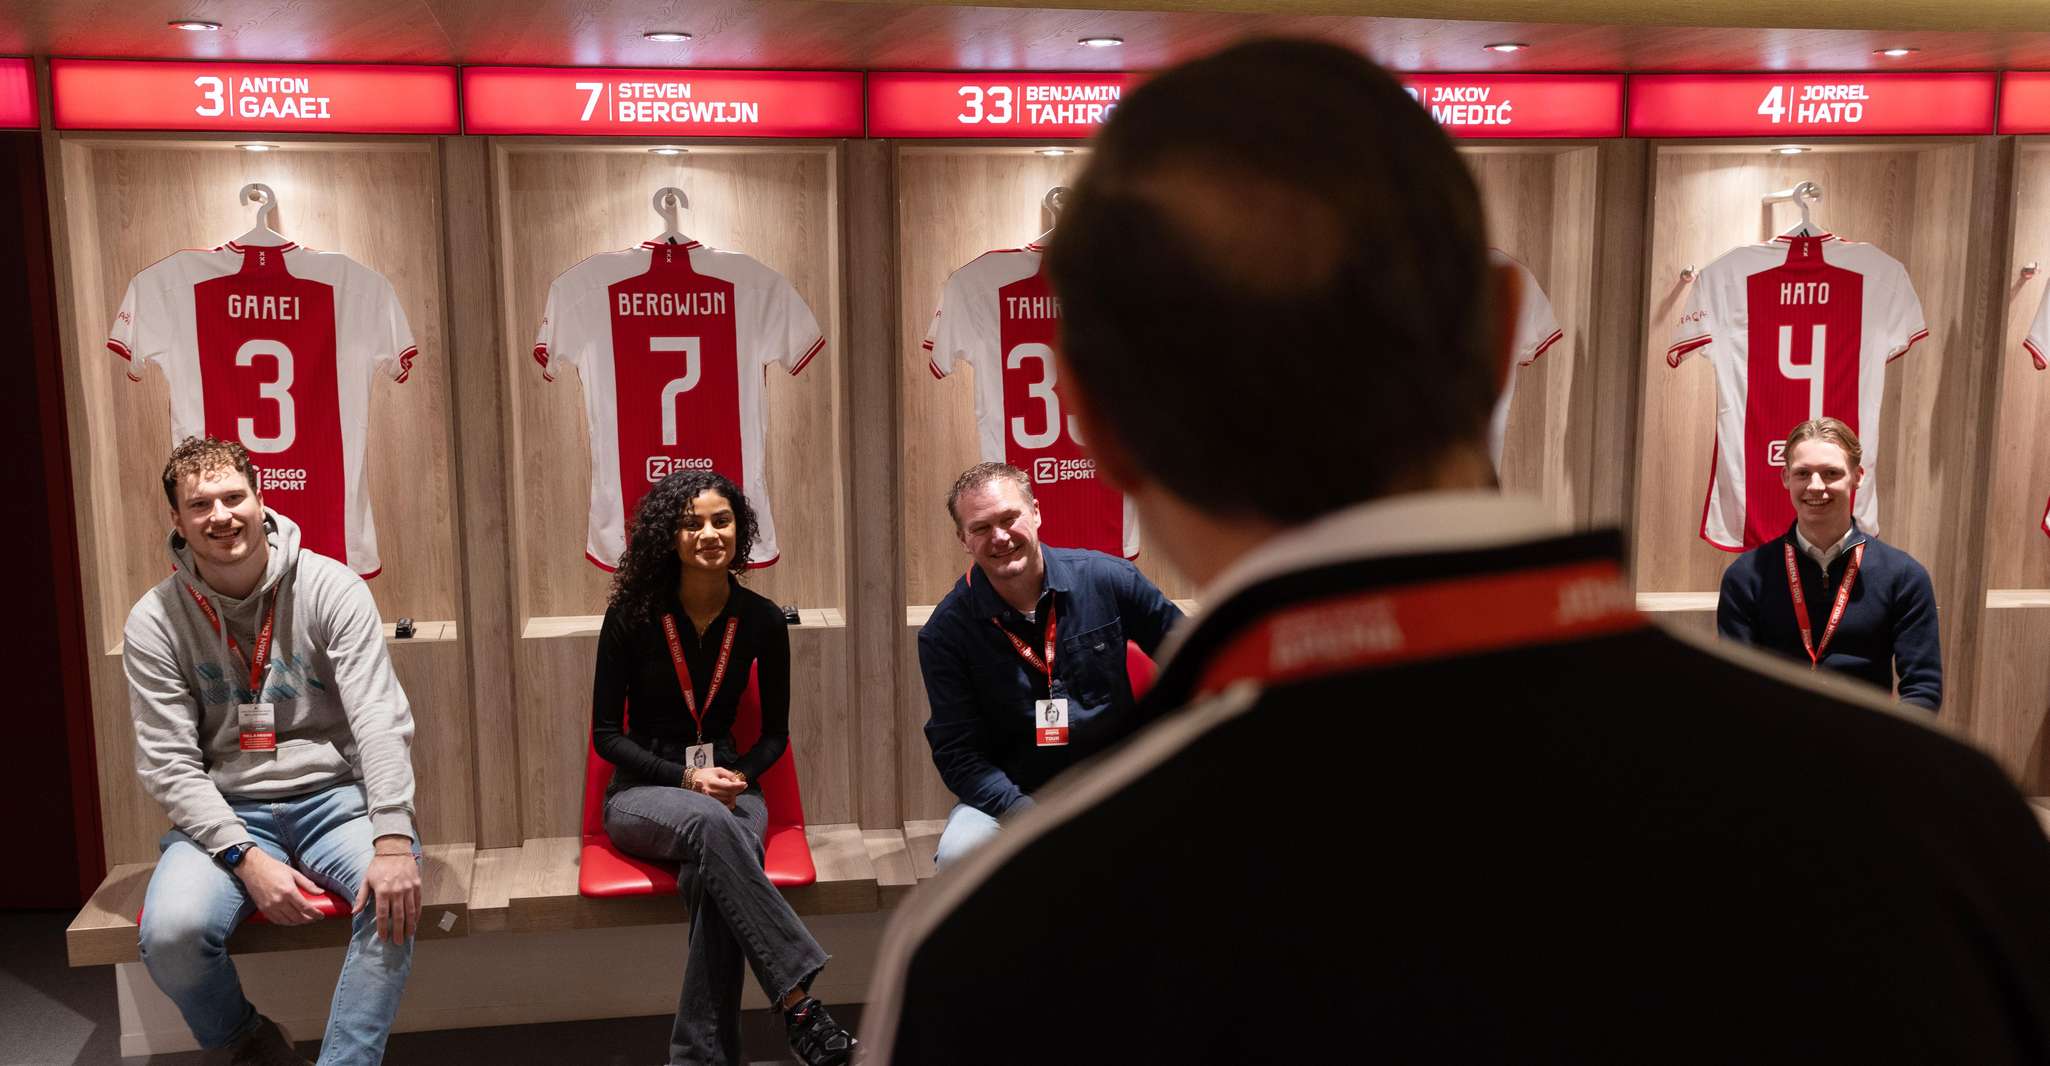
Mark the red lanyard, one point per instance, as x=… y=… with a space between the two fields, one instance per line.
x=1046 y=665
x=256 y=665
x=683 y=680
x=1836 y=613
x=1429 y=620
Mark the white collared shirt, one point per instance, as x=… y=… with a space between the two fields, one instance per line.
x=1824 y=556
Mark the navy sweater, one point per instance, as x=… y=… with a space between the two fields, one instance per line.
x=1889 y=626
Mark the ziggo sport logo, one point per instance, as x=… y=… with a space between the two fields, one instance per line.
x=661 y=466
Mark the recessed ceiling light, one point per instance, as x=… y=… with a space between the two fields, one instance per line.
x=1789 y=149
x=1506 y=46
x=195 y=25
x=1895 y=53
x=666 y=36
x=258 y=147
x=1101 y=42
x=668 y=149
x=1052 y=153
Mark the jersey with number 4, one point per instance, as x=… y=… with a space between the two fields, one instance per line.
x=998 y=315
x=1797 y=328
x=2038 y=345
x=671 y=341
x=274 y=346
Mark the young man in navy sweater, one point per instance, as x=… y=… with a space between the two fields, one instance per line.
x=1829 y=593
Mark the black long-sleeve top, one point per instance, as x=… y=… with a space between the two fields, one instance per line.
x=634 y=669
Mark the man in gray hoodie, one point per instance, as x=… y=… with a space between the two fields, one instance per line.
x=269 y=725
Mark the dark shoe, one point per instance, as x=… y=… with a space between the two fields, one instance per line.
x=817 y=1039
x=265 y=1045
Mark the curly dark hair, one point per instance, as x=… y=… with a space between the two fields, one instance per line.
x=649 y=570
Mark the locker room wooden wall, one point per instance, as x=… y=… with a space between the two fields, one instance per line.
x=2012 y=711
x=125 y=202
x=558 y=202
x=479 y=468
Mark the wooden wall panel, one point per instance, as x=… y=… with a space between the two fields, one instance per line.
x=953 y=204
x=136 y=201
x=925 y=795
x=1613 y=383
x=555 y=723
x=2017 y=553
x=2011 y=716
x=561 y=202
x=1539 y=201
x=1706 y=201
x=437 y=685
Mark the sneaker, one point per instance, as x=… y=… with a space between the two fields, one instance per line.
x=265 y=1045
x=815 y=1037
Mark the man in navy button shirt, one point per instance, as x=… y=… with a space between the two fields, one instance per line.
x=1006 y=719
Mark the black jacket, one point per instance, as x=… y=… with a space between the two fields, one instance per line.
x=1620 y=848
x=1889 y=624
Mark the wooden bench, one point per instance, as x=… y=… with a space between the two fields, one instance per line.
x=105 y=931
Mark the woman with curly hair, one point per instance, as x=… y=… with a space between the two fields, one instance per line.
x=679 y=636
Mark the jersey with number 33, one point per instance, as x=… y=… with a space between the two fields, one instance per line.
x=671 y=341
x=274 y=347
x=1797 y=328
x=999 y=315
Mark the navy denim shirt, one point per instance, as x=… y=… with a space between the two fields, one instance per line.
x=982 y=728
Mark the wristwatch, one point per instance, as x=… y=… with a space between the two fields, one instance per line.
x=232 y=855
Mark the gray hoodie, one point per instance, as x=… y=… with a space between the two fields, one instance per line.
x=341 y=716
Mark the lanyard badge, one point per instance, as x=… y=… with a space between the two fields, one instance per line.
x=1050 y=715
x=257 y=722
x=690 y=698
x=1836 y=612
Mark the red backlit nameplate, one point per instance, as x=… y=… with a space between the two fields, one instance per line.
x=1806 y=105
x=110 y=94
x=17 y=95
x=2025 y=102
x=992 y=105
x=661 y=103
x=1522 y=105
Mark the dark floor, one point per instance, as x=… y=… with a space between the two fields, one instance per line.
x=53 y=1015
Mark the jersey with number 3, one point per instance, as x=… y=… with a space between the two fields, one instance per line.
x=274 y=347
x=671 y=341
x=998 y=315
x=1797 y=328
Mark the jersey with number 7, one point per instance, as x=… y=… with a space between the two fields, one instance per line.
x=1797 y=328
x=274 y=346
x=671 y=341
x=999 y=315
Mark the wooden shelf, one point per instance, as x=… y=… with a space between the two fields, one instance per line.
x=586 y=625
x=1656 y=602
x=2017 y=598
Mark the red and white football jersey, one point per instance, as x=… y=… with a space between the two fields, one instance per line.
x=1797 y=328
x=999 y=315
x=671 y=341
x=273 y=346
x=2038 y=345
x=1537 y=329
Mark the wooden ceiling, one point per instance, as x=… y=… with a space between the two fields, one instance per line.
x=1604 y=34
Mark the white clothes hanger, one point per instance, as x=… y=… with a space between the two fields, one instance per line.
x=1055 y=199
x=261 y=235
x=668 y=199
x=1802 y=194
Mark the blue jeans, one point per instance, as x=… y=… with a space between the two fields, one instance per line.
x=967 y=829
x=193 y=904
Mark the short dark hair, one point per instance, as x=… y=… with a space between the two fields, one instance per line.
x=199 y=456
x=1278 y=239
x=982 y=474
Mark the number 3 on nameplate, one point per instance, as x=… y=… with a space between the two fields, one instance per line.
x=277 y=391
x=1811 y=371
x=1043 y=391
x=673 y=392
